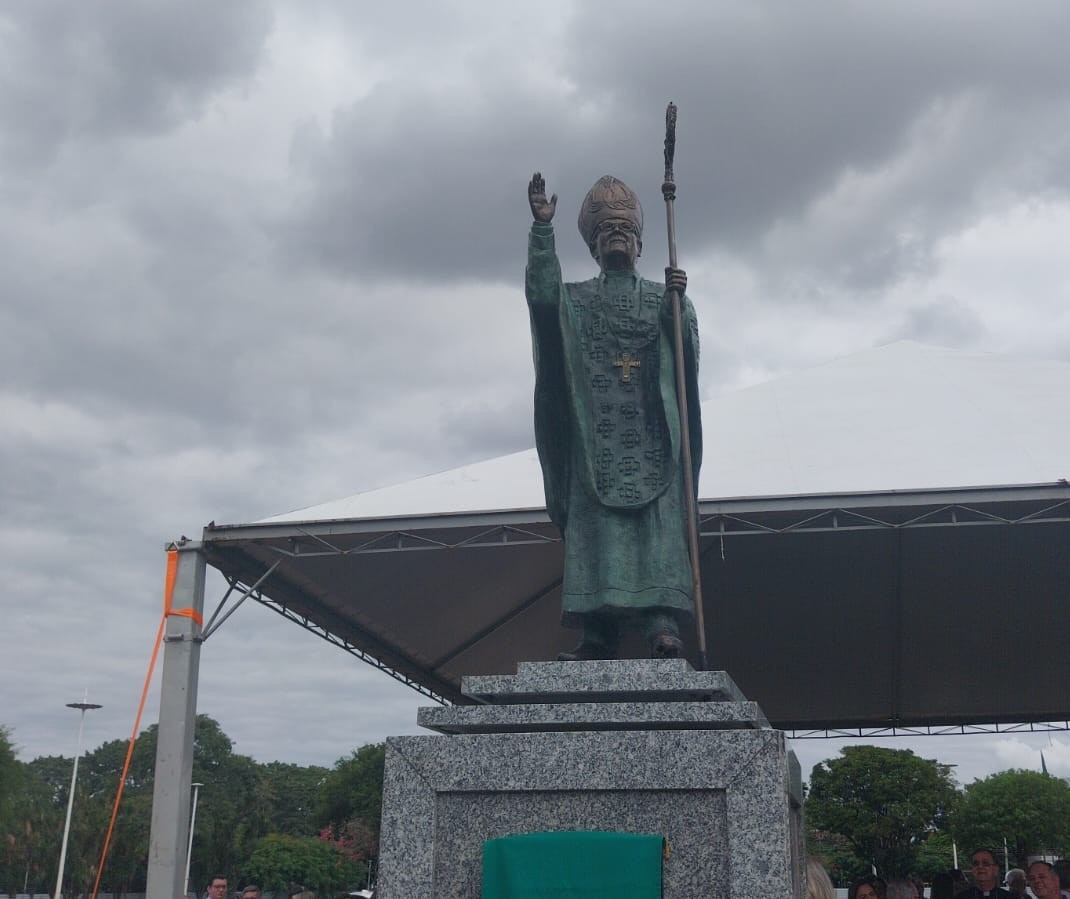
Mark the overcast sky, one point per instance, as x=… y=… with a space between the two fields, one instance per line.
x=251 y=255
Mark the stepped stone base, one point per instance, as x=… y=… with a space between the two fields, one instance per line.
x=641 y=746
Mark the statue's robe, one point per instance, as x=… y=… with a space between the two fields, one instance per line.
x=608 y=435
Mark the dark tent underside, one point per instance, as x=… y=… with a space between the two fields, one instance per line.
x=863 y=610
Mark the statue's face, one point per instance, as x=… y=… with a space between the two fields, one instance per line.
x=617 y=244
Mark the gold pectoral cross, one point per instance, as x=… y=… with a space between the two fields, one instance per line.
x=626 y=363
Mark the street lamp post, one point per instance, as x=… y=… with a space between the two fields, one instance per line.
x=83 y=706
x=189 y=845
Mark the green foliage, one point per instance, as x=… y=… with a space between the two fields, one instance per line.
x=32 y=823
x=354 y=839
x=883 y=802
x=10 y=774
x=231 y=810
x=240 y=803
x=935 y=854
x=281 y=862
x=290 y=794
x=17 y=824
x=353 y=789
x=836 y=854
x=1031 y=810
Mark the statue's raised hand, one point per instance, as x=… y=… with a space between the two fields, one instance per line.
x=542 y=210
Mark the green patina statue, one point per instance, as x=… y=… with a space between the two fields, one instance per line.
x=607 y=425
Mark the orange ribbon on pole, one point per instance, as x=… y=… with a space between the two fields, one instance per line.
x=169 y=591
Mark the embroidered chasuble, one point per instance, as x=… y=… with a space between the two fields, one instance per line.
x=608 y=434
x=592 y=865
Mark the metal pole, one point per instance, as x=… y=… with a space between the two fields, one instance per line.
x=192 y=824
x=169 y=833
x=83 y=706
x=668 y=191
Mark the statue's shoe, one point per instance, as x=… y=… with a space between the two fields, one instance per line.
x=586 y=652
x=665 y=645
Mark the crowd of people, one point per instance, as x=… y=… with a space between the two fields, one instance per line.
x=1044 y=879
x=217 y=888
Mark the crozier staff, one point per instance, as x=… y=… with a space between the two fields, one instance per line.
x=607 y=425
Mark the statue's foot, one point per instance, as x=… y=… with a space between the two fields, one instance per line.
x=586 y=652
x=666 y=645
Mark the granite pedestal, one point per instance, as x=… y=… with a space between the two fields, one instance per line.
x=640 y=746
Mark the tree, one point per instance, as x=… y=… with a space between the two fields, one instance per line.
x=10 y=775
x=124 y=869
x=281 y=862
x=1030 y=809
x=32 y=825
x=13 y=837
x=290 y=794
x=935 y=854
x=884 y=802
x=836 y=854
x=353 y=790
x=240 y=803
x=231 y=814
x=356 y=842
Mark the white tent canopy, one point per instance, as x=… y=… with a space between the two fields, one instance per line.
x=898 y=417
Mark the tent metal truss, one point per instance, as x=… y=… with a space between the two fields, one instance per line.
x=931 y=730
x=320 y=631
x=848 y=519
x=735 y=521
x=718 y=520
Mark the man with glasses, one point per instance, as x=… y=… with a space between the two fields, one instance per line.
x=985 y=876
x=217 y=888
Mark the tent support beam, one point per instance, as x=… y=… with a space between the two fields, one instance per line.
x=169 y=834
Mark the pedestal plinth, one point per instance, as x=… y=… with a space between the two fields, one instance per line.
x=638 y=746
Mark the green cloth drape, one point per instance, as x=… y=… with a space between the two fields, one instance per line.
x=573 y=865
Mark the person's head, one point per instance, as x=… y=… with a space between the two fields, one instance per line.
x=985 y=868
x=611 y=223
x=1062 y=871
x=217 y=887
x=1043 y=881
x=251 y=892
x=818 y=885
x=901 y=888
x=1016 y=881
x=943 y=886
x=865 y=888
